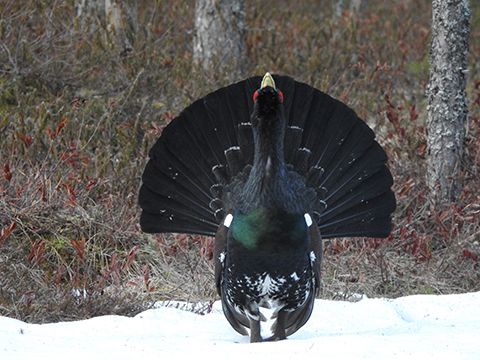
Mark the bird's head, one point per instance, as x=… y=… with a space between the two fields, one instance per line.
x=268 y=101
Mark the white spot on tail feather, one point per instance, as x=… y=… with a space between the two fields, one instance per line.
x=232 y=148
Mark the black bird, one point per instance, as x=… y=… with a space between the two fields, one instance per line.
x=269 y=167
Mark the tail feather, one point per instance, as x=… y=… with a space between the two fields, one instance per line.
x=366 y=190
x=179 y=203
x=245 y=138
x=365 y=169
x=297 y=97
x=217 y=106
x=370 y=218
x=204 y=141
x=210 y=143
x=347 y=157
x=329 y=121
x=174 y=186
x=175 y=222
x=294 y=135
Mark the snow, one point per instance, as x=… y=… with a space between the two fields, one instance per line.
x=413 y=327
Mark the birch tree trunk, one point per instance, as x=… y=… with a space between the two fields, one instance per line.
x=353 y=6
x=220 y=34
x=122 y=17
x=85 y=8
x=447 y=104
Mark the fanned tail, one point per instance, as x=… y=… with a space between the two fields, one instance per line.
x=208 y=148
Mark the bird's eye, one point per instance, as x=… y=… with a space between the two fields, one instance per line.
x=256 y=94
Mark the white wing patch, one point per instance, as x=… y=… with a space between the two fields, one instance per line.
x=228 y=220
x=308 y=219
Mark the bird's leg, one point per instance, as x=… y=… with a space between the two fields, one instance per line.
x=279 y=332
x=255 y=331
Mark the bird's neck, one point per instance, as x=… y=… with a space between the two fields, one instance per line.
x=269 y=161
x=267 y=185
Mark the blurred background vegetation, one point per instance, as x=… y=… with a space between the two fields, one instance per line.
x=78 y=115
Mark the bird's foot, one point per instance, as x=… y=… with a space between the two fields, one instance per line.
x=275 y=338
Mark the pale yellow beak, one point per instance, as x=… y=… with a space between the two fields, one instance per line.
x=267 y=81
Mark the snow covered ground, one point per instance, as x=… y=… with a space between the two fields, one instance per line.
x=413 y=327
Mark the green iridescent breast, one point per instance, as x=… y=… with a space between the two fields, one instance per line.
x=267 y=228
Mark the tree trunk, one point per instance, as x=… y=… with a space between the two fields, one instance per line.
x=220 y=34
x=352 y=6
x=447 y=104
x=85 y=8
x=122 y=17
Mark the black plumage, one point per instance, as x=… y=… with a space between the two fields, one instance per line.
x=268 y=178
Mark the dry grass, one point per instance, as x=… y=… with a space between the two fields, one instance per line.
x=77 y=120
